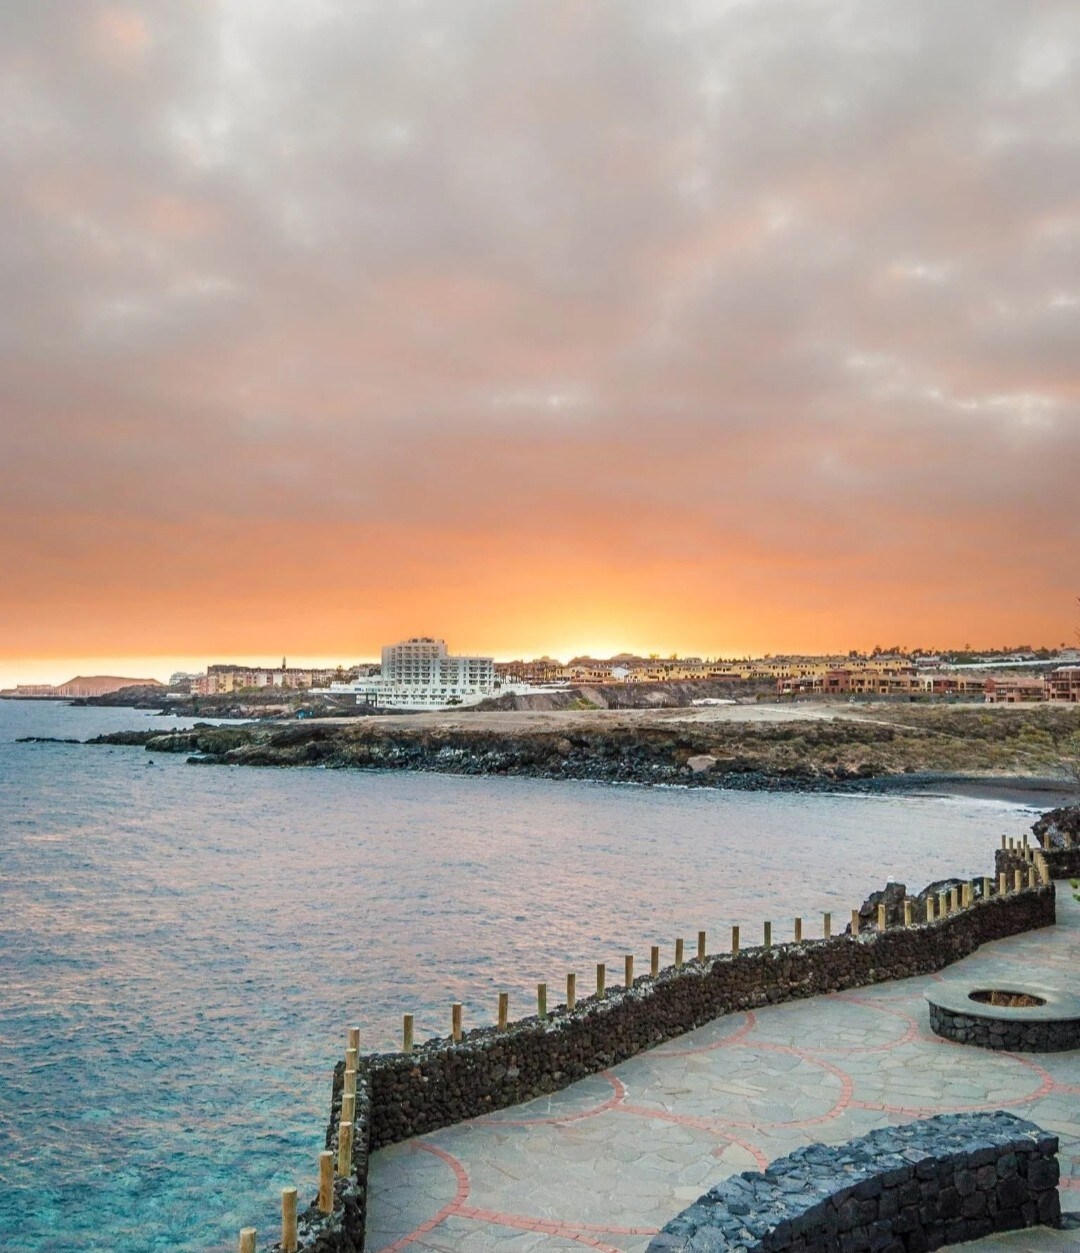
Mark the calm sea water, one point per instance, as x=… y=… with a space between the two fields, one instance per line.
x=182 y=948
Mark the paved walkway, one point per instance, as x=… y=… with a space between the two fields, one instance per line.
x=604 y=1164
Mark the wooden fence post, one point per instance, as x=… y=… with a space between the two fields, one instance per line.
x=326 y=1182
x=455 y=1021
x=571 y=991
x=654 y=960
x=854 y=922
x=909 y=913
x=798 y=930
x=601 y=978
x=406 y=1033
x=678 y=952
x=344 y=1150
x=628 y=970
x=826 y=928
x=504 y=1010
x=882 y=918
x=247 y=1240
x=767 y=935
x=541 y=1000
x=735 y=939
x=288 y=1220
x=701 y=946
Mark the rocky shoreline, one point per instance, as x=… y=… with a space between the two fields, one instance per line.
x=779 y=756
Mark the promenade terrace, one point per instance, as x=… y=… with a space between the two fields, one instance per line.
x=606 y=1163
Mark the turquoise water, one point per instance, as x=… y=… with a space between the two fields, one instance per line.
x=182 y=948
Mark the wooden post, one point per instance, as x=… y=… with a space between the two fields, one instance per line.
x=678 y=952
x=654 y=960
x=628 y=970
x=701 y=946
x=826 y=926
x=455 y=1021
x=571 y=991
x=767 y=935
x=1003 y=884
x=854 y=922
x=348 y=1108
x=247 y=1240
x=344 y=1148
x=1017 y=881
x=909 y=913
x=798 y=930
x=965 y=896
x=986 y=888
x=601 y=976
x=288 y=1220
x=1031 y=878
x=406 y=1033
x=349 y=1088
x=882 y=918
x=930 y=908
x=1042 y=867
x=326 y=1182
x=541 y=1000
x=504 y=1010
x=1004 y=841
x=735 y=939
x=354 y=1039
x=352 y=1057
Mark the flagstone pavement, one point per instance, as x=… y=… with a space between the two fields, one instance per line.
x=605 y=1163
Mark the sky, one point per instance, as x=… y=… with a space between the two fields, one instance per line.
x=546 y=326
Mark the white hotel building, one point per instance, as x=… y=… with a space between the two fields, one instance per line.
x=421 y=674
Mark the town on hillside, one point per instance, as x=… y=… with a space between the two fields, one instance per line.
x=420 y=673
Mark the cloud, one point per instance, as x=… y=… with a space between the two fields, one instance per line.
x=791 y=285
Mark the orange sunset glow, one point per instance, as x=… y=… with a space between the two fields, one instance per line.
x=545 y=327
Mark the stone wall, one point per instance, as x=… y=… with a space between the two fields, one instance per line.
x=444 y=1082
x=901 y=1189
x=1062 y=863
x=342 y=1230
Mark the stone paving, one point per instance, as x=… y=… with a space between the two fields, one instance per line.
x=604 y=1164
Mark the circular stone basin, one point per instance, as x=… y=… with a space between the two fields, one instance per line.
x=1018 y=1017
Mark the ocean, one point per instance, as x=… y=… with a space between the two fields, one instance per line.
x=182 y=948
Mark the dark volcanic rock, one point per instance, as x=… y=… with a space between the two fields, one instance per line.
x=892 y=897
x=1059 y=828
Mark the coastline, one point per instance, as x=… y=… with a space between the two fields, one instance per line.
x=1022 y=756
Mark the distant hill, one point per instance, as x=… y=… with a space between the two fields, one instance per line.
x=100 y=685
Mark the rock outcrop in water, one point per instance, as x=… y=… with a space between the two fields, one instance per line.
x=1059 y=828
x=756 y=755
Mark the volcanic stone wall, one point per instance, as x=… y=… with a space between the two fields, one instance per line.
x=342 y=1230
x=902 y=1189
x=444 y=1082
x=1061 y=863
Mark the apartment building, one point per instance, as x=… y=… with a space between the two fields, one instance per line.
x=222 y=679
x=1063 y=684
x=1014 y=689
x=420 y=673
